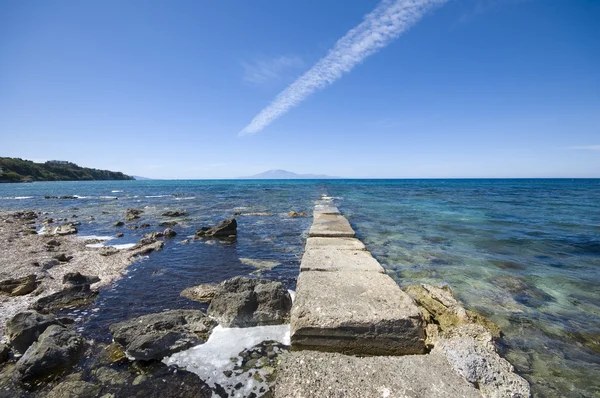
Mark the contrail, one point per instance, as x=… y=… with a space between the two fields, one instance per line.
x=385 y=23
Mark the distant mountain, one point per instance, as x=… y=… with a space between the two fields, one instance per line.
x=287 y=175
x=19 y=170
x=141 y=178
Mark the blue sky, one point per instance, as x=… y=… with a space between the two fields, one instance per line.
x=474 y=88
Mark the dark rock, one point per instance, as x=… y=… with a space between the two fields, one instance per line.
x=175 y=213
x=169 y=233
x=4 y=351
x=75 y=278
x=145 y=246
x=155 y=336
x=74 y=389
x=132 y=214
x=226 y=228
x=46 y=265
x=19 y=286
x=70 y=297
x=25 y=327
x=296 y=214
x=244 y=302
x=26 y=215
x=169 y=224
x=47 y=221
x=63 y=258
x=56 y=351
x=145 y=225
x=108 y=251
x=119 y=235
x=53 y=242
x=118 y=224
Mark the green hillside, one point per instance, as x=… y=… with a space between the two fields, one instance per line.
x=19 y=170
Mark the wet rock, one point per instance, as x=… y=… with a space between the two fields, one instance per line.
x=119 y=235
x=439 y=305
x=108 y=251
x=132 y=214
x=56 y=351
x=48 y=264
x=25 y=327
x=296 y=214
x=63 y=258
x=65 y=229
x=145 y=247
x=155 y=336
x=175 y=213
x=118 y=224
x=145 y=225
x=74 y=389
x=4 y=351
x=169 y=224
x=203 y=293
x=225 y=229
x=244 y=302
x=19 y=286
x=107 y=376
x=169 y=233
x=75 y=278
x=70 y=297
x=27 y=215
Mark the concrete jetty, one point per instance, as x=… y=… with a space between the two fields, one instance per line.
x=355 y=333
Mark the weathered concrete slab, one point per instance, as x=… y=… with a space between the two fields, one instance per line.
x=331 y=225
x=326 y=209
x=334 y=244
x=362 y=313
x=310 y=374
x=339 y=260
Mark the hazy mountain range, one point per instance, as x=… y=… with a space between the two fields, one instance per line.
x=286 y=175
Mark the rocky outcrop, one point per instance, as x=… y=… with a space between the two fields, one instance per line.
x=203 y=293
x=108 y=251
x=25 y=328
x=132 y=214
x=225 y=229
x=70 y=297
x=75 y=278
x=74 y=389
x=4 y=352
x=155 y=336
x=64 y=229
x=56 y=351
x=296 y=214
x=19 y=286
x=146 y=246
x=174 y=213
x=244 y=302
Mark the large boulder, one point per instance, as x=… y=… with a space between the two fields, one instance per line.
x=70 y=297
x=25 y=327
x=225 y=229
x=155 y=336
x=76 y=278
x=19 y=286
x=56 y=351
x=244 y=302
x=203 y=293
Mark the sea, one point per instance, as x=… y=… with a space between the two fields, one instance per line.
x=523 y=252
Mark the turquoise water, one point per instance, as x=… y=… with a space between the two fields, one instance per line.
x=526 y=253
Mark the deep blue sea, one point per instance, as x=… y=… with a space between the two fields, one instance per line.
x=525 y=253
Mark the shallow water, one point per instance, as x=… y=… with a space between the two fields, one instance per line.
x=524 y=252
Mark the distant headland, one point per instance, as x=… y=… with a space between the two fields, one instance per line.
x=19 y=170
x=287 y=175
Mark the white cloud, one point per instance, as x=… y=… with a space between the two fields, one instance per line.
x=384 y=24
x=586 y=147
x=265 y=70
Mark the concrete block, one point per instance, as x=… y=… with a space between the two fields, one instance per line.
x=339 y=260
x=331 y=225
x=334 y=244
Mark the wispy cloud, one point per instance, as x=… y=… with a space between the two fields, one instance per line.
x=586 y=147
x=388 y=21
x=263 y=70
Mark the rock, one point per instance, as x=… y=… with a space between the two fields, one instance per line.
x=53 y=242
x=63 y=258
x=25 y=327
x=483 y=367
x=169 y=224
x=244 y=302
x=118 y=224
x=65 y=229
x=155 y=336
x=145 y=248
x=203 y=293
x=70 y=297
x=75 y=278
x=225 y=229
x=296 y=214
x=119 y=235
x=4 y=351
x=19 y=286
x=445 y=309
x=56 y=351
x=175 y=213
x=355 y=312
x=107 y=376
x=108 y=251
x=27 y=215
x=132 y=214
x=169 y=233
x=48 y=264
x=74 y=389
x=317 y=374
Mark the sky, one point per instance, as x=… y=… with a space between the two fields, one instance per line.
x=361 y=89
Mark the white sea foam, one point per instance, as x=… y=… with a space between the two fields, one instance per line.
x=95 y=245
x=211 y=359
x=23 y=197
x=81 y=197
x=157 y=196
x=95 y=237
x=186 y=198
x=108 y=197
x=117 y=190
x=124 y=246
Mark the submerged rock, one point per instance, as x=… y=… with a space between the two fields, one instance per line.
x=19 y=286
x=225 y=229
x=132 y=214
x=203 y=293
x=296 y=214
x=75 y=278
x=25 y=327
x=118 y=224
x=56 y=351
x=169 y=224
x=174 y=213
x=244 y=302
x=70 y=297
x=155 y=336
